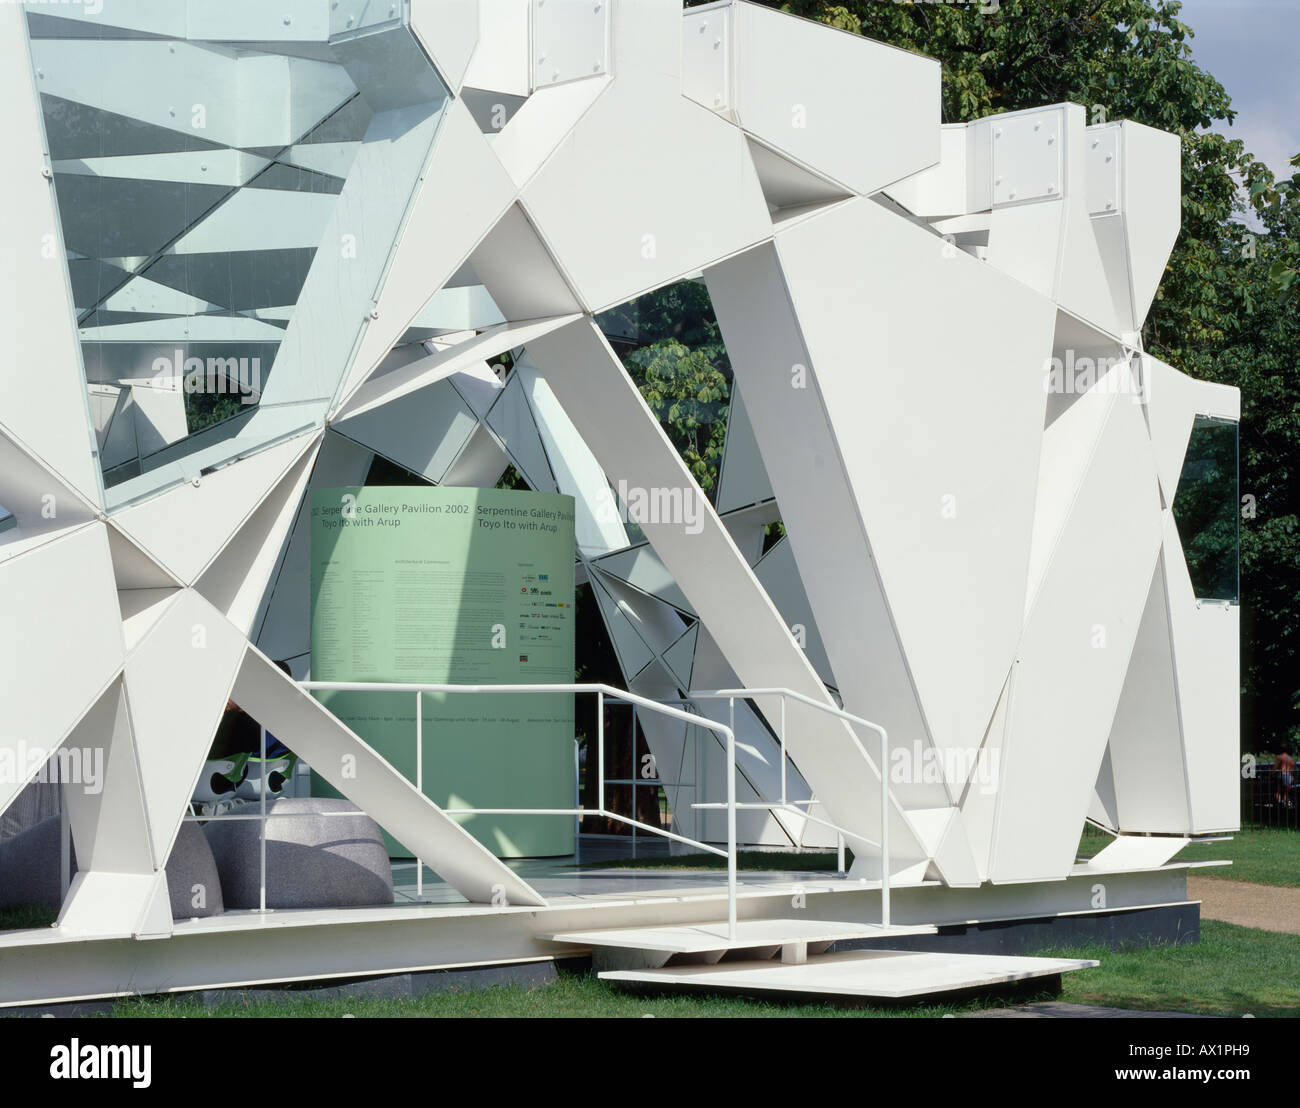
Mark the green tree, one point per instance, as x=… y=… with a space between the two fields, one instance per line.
x=670 y=342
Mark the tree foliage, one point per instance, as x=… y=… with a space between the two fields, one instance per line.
x=671 y=345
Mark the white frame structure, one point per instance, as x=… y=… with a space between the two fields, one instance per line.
x=981 y=561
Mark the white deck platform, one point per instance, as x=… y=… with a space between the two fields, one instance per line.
x=865 y=974
x=705 y=937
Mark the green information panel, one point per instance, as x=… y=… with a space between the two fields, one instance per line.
x=464 y=587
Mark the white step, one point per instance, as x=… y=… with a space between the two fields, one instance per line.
x=700 y=938
x=866 y=974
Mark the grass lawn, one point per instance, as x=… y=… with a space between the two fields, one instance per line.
x=1233 y=971
x=26 y=918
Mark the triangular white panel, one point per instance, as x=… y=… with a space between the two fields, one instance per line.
x=39 y=499
x=61 y=599
x=185 y=527
x=141 y=609
x=424 y=432
x=109 y=830
x=449 y=362
x=238 y=581
x=512 y=420
x=448 y=31
x=787 y=184
x=633 y=653
x=133 y=568
x=641 y=568
x=680 y=657
x=742 y=479
x=177 y=682
x=1146 y=741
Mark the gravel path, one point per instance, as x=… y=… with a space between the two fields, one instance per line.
x=1268 y=907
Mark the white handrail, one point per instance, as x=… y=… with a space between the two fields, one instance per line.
x=730 y=695
x=601 y=691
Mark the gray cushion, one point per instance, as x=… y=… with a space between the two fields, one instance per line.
x=29 y=867
x=329 y=862
x=192 y=878
x=29 y=871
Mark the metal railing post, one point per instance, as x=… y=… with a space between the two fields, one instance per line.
x=600 y=747
x=419 y=780
x=783 y=799
x=261 y=896
x=731 y=823
x=884 y=828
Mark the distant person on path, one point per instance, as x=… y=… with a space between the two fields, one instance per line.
x=1284 y=776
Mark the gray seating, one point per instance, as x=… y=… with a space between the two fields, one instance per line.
x=29 y=867
x=29 y=871
x=192 y=878
x=312 y=860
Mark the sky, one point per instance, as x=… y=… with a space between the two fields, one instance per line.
x=1253 y=48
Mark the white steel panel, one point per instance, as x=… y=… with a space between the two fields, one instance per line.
x=1075 y=652
x=62 y=597
x=1146 y=741
x=184 y=527
x=570 y=40
x=109 y=829
x=536 y=130
x=706 y=57
x=501 y=59
x=635 y=229
x=808 y=93
x=240 y=577
x=177 y=682
x=948 y=539
x=448 y=31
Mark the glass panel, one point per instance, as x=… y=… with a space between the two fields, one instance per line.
x=1206 y=510
x=195 y=181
